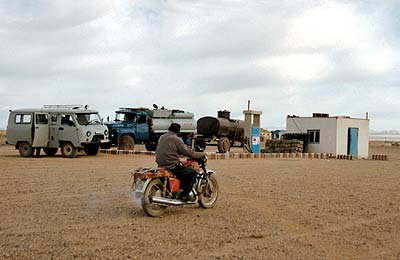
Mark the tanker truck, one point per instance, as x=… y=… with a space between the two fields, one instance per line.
x=223 y=130
x=145 y=126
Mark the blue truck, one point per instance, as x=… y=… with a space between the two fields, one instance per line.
x=145 y=126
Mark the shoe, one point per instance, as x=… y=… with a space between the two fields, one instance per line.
x=184 y=198
x=187 y=198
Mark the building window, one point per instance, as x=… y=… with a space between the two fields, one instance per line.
x=313 y=136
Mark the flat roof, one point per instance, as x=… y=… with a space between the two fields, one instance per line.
x=330 y=117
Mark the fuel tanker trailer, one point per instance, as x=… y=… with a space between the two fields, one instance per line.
x=145 y=126
x=223 y=130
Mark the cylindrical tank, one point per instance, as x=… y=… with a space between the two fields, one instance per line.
x=215 y=127
x=160 y=125
x=208 y=126
x=231 y=127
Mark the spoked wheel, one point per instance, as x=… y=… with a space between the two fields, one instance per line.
x=224 y=145
x=154 y=188
x=209 y=193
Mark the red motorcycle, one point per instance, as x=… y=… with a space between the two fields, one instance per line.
x=158 y=188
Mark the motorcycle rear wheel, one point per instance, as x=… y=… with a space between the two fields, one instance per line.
x=154 y=188
x=209 y=194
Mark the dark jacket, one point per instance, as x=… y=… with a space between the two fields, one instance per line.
x=169 y=147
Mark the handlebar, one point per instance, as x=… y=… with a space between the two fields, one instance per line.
x=201 y=161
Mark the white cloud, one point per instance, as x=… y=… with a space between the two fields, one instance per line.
x=329 y=25
x=298 y=68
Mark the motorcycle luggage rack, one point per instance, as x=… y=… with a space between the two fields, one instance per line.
x=65 y=106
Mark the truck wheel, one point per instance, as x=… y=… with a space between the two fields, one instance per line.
x=25 y=149
x=126 y=143
x=151 y=147
x=224 y=145
x=92 y=149
x=50 y=151
x=68 y=150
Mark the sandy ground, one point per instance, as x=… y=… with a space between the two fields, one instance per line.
x=82 y=208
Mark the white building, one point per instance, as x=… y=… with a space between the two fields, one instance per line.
x=340 y=135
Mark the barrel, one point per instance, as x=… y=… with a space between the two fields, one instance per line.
x=211 y=126
x=208 y=126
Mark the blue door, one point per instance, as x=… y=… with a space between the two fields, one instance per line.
x=352 y=142
x=142 y=128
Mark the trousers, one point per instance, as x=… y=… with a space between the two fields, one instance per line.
x=187 y=176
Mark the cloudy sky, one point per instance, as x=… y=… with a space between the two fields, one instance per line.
x=286 y=56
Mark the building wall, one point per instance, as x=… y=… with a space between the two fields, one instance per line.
x=327 y=127
x=342 y=135
x=333 y=133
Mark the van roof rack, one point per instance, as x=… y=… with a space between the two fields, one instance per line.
x=66 y=106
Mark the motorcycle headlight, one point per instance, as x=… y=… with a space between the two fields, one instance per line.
x=88 y=133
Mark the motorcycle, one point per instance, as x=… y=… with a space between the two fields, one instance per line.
x=158 y=188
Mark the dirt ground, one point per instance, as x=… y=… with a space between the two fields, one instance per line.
x=82 y=208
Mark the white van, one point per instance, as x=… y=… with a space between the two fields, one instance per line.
x=68 y=127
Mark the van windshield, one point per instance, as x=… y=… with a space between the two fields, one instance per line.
x=88 y=119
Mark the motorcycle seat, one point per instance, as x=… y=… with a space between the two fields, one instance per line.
x=165 y=171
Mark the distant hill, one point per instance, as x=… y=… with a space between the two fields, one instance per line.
x=384 y=132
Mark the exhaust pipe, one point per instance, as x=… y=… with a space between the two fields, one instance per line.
x=168 y=202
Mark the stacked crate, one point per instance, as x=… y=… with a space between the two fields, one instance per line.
x=283 y=146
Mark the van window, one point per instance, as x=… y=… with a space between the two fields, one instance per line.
x=42 y=119
x=23 y=118
x=66 y=120
x=53 y=119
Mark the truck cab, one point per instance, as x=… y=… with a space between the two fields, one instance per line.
x=129 y=127
x=71 y=128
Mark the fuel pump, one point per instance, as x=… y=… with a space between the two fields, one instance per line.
x=252 y=130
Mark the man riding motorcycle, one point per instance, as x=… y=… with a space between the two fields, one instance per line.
x=169 y=148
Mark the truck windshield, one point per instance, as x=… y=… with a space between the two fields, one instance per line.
x=125 y=117
x=88 y=119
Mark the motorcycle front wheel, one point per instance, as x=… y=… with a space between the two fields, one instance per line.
x=209 y=193
x=154 y=188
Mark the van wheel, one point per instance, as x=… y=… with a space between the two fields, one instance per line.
x=68 y=150
x=92 y=149
x=50 y=151
x=25 y=149
x=126 y=143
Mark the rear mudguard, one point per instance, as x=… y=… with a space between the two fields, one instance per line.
x=140 y=187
